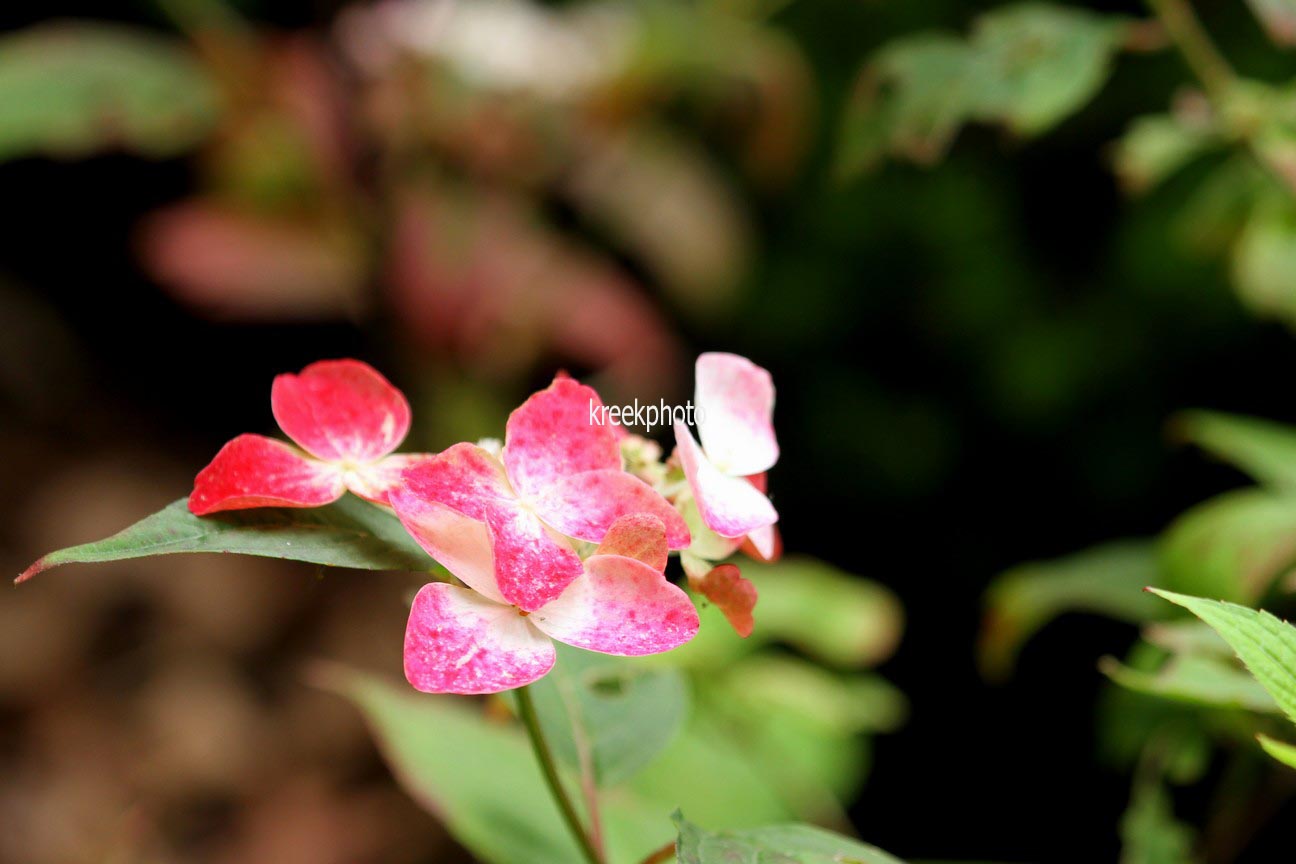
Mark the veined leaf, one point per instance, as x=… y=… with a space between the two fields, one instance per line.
x=1233 y=546
x=349 y=533
x=1197 y=680
x=1280 y=750
x=1262 y=448
x=775 y=844
x=1107 y=580
x=612 y=711
x=74 y=89
x=1265 y=645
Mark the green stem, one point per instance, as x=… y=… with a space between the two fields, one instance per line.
x=526 y=710
x=1188 y=35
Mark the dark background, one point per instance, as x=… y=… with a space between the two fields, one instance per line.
x=975 y=366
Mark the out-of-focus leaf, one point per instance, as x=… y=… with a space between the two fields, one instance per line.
x=611 y=711
x=1186 y=637
x=1197 y=680
x=1264 y=263
x=1265 y=645
x=349 y=533
x=481 y=778
x=1233 y=546
x=1156 y=146
x=74 y=89
x=1150 y=834
x=910 y=101
x=1039 y=62
x=842 y=704
x=837 y=618
x=1278 y=18
x=1280 y=750
x=1107 y=580
x=660 y=197
x=1262 y=448
x=1025 y=66
x=240 y=265
x=774 y=844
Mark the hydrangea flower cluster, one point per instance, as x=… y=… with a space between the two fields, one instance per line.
x=562 y=534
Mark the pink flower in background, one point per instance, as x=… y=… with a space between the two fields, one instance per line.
x=347 y=418
x=735 y=407
x=559 y=476
x=478 y=639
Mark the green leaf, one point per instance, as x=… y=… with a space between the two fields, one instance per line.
x=481 y=779
x=1265 y=645
x=1278 y=18
x=910 y=101
x=775 y=844
x=1280 y=750
x=1150 y=834
x=1233 y=546
x=1025 y=66
x=1107 y=580
x=349 y=533
x=1196 y=680
x=75 y=89
x=1262 y=448
x=1264 y=263
x=1039 y=62
x=1158 y=145
x=612 y=711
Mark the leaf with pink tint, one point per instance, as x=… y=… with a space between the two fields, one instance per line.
x=460 y=544
x=585 y=505
x=733 y=595
x=341 y=410
x=255 y=471
x=735 y=405
x=641 y=536
x=533 y=564
x=375 y=482
x=554 y=434
x=247 y=266
x=460 y=642
x=620 y=606
x=730 y=506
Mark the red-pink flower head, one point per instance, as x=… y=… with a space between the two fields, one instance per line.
x=347 y=418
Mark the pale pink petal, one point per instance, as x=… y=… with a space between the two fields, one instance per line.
x=460 y=642
x=555 y=434
x=376 y=480
x=730 y=506
x=585 y=505
x=255 y=471
x=341 y=410
x=620 y=606
x=735 y=407
x=641 y=536
x=460 y=544
x=766 y=543
x=533 y=563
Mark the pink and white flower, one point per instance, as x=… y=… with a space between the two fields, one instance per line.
x=479 y=640
x=347 y=418
x=735 y=408
x=559 y=476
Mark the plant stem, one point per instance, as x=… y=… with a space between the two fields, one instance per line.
x=662 y=855
x=526 y=710
x=1200 y=53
